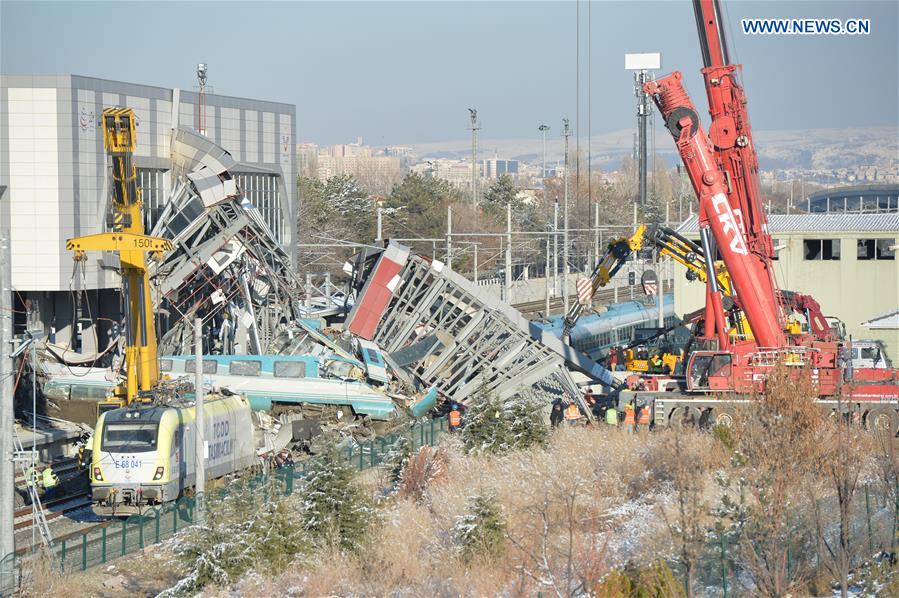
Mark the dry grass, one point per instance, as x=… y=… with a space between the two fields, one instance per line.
x=592 y=501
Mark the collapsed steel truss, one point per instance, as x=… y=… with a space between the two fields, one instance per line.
x=447 y=333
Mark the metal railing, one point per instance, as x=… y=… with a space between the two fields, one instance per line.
x=81 y=550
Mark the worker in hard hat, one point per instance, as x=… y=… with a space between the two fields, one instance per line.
x=629 y=419
x=455 y=418
x=50 y=481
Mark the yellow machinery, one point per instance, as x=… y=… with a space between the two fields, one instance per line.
x=617 y=253
x=128 y=240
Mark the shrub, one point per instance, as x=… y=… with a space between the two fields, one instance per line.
x=481 y=532
x=652 y=581
x=249 y=527
x=495 y=427
x=334 y=511
x=419 y=471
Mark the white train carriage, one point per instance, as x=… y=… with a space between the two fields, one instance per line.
x=145 y=456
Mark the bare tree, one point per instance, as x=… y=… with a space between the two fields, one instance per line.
x=685 y=460
x=777 y=449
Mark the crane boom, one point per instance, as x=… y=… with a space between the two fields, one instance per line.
x=129 y=241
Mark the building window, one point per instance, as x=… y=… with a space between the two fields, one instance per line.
x=876 y=249
x=821 y=249
x=152 y=187
x=262 y=191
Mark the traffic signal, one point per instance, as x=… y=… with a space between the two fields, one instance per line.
x=631 y=278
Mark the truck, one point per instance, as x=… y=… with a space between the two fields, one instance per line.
x=725 y=369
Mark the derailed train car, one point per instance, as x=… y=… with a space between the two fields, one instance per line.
x=145 y=456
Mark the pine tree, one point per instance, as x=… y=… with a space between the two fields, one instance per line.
x=335 y=512
x=481 y=532
x=494 y=426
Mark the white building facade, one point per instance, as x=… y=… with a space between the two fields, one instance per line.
x=54 y=166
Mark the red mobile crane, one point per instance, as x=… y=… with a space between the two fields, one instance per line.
x=723 y=169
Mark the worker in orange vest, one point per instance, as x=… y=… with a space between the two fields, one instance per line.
x=572 y=413
x=629 y=420
x=644 y=418
x=455 y=419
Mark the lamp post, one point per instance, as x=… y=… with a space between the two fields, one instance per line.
x=543 y=129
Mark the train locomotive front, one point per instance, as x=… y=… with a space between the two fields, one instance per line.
x=145 y=456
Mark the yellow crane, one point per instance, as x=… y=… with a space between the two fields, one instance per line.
x=128 y=240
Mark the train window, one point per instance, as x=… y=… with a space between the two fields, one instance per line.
x=56 y=391
x=165 y=365
x=290 y=369
x=373 y=356
x=245 y=368
x=209 y=366
x=130 y=437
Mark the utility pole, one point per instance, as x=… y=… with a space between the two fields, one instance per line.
x=641 y=64
x=7 y=417
x=543 y=129
x=546 y=277
x=380 y=233
x=508 y=280
x=556 y=248
x=200 y=446
x=449 y=237
x=475 y=127
x=566 y=133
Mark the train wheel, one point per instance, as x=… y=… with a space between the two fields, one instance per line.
x=881 y=420
x=684 y=417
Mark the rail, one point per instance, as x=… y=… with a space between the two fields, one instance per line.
x=99 y=544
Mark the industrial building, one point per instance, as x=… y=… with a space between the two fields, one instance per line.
x=54 y=165
x=847 y=262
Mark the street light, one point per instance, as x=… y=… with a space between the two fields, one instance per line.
x=543 y=129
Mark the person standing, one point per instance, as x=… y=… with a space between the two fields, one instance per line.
x=629 y=420
x=612 y=416
x=50 y=482
x=644 y=418
x=455 y=418
x=557 y=413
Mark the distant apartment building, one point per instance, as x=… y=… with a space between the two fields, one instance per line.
x=356 y=159
x=495 y=168
x=307 y=160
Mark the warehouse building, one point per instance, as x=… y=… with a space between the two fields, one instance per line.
x=845 y=261
x=54 y=166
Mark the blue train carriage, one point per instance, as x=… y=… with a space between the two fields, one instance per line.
x=275 y=382
x=145 y=456
x=596 y=333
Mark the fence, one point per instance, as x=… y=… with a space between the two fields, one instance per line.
x=112 y=539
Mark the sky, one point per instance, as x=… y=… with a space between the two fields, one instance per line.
x=406 y=72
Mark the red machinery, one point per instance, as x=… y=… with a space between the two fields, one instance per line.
x=723 y=168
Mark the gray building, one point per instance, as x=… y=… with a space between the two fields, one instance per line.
x=53 y=162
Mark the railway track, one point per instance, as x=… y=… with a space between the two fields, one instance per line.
x=60 y=466
x=53 y=509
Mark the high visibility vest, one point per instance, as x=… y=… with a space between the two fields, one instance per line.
x=572 y=412
x=49 y=478
x=455 y=418
x=30 y=477
x=612 y=416
x=644 y=418
x=628 y=415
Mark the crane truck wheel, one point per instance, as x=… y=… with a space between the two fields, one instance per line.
x=881 y=420
x=684 y=417
x=722 y=416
